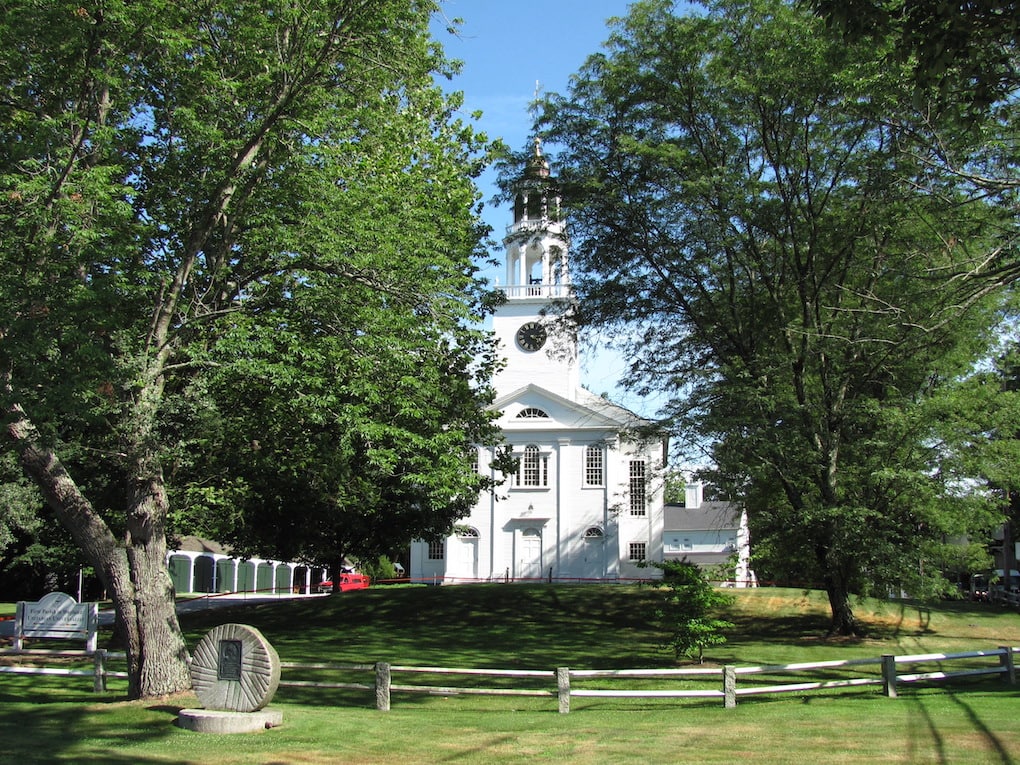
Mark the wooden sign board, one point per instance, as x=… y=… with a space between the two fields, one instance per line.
x=57 y=615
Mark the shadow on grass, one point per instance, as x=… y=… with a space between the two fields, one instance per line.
x=44 y=725
x=505 y=626
x=540 y=626
x=994 y=742
x=748 y=629
x=888 y=621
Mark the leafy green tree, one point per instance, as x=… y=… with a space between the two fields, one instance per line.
x=999 y=468
x=967 y=50
x=675 y=487
x=961 y=59
x=758 y=224
x=202 y=202
x=361 y=441
x=686 y=611
x=19 y=504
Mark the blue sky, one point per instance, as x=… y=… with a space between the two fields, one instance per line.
x=506 y=47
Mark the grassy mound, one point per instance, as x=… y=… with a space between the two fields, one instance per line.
x=591 y=626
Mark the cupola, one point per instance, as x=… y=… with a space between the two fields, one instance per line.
x=536 y=244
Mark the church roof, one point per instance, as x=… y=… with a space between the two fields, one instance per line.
x=603 y=404
x=710 y=516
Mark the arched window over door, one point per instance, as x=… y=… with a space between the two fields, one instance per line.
x=593 y=563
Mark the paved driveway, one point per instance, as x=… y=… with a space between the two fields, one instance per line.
x=186 y=606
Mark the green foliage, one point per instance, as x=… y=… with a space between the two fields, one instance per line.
x=769 y=226
x=241 y=292
x=688 y=609
x=675 y=489
x=968 y=52
x=19 y=504
x=379 y=569
x=36 y=555
x=259 y=228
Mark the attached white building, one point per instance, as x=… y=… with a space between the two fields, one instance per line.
x=710 y=534
x=586 y=500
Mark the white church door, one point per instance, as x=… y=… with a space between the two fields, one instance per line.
x=594 y=551
x=529 y=562
x=464 y=557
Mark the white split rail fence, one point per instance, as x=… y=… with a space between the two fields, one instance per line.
x=57 y=616
x=99 y=671
x=888 y=677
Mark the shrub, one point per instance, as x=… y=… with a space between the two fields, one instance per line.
x=685 y=611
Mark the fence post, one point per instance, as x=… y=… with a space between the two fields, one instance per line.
x=1006 y=661
x=92 y=630
x=19 y=626
x=729 y=686
x=99 y=670
x=382 y=686
x=563 y=688
x=889 y=675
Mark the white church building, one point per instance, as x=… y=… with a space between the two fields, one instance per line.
x=586 y=502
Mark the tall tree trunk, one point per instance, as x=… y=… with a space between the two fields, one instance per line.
x=336 y=569
x=163 y=656
x=133 y=570
x=843 y=620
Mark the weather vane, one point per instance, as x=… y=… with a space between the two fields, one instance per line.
x=534 y=109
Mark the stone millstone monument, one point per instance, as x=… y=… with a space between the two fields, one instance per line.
x=235 y=672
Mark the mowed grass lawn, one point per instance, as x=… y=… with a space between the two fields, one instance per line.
x=59 y=720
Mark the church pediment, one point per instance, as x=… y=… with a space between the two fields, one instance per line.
x=535 y=408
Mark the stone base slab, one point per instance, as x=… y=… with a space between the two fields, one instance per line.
x=218 y=721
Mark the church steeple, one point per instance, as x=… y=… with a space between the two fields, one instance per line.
x=536 y=244
x=538 y=350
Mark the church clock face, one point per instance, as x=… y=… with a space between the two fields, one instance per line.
x=531 y=336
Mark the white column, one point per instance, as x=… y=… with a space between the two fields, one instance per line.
x=191 y=571
x=522 y=266
x=562 y=445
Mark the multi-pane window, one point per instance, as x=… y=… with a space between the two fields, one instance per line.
x=594 y=466
x=533 y=468
x=637 y=487
x=637 y=550
x=532 y=413
x=437 y=549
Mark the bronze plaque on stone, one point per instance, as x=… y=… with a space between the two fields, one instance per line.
x=229 y=667
x=234 y=668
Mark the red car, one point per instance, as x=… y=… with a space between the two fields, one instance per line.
x=347 y=582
